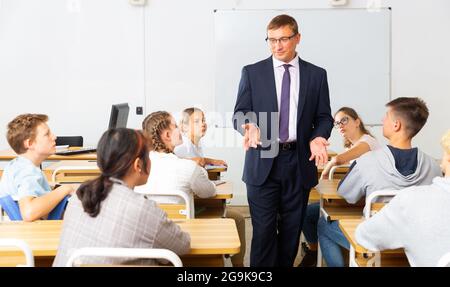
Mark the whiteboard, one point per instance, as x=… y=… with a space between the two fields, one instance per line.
x=353 y=45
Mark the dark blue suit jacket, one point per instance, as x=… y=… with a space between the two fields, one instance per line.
x=257 y=93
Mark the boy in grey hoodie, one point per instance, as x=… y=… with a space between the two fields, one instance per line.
x=417 y=219
x=395 y=166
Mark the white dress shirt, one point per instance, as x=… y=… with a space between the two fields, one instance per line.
x=294 y=72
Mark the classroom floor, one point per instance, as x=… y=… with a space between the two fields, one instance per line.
x=244 y=210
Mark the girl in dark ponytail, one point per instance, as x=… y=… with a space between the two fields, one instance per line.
x=116 y=152
x=107 y=212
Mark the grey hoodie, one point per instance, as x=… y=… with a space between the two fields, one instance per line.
x=416 y=219
x=376 y=170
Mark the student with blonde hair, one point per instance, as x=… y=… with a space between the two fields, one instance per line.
x=417 y=219
x=193 y=128
x=169 y=171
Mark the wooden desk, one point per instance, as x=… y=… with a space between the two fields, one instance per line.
x=210 y=239
x=331 y=154
x=214 y=174
x=7 y=155
x=333 y=206
x=214 y=207
x=359 y=256
x=339 y=173
x=314 y=196
x=77 y=174
x=81 y=171
x=328 y=189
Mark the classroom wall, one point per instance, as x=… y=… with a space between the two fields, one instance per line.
x=180 y=65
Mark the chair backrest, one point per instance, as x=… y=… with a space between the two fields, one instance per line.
x=70 y=140
x=444 y=261
x=74 y=168
x=151 y=253
x=23 y=246
x=372 y=206
x=188 y=200
x=334 y=168
x=58 y=211
x=11 y=207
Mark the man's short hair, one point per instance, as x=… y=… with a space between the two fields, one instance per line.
x=445 y=142
x=413 y=111
x=23 y=127
x=281 y=21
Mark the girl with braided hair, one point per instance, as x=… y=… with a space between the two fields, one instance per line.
x=170 y=173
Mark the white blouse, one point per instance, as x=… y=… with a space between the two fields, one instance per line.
x=171 y=173
x=371 y=141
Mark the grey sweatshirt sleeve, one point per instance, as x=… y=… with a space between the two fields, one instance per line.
x=352 y=187
x=383 y=230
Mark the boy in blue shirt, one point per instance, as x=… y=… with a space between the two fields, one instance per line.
x=30 y=137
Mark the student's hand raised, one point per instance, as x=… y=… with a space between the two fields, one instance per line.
x=200 y=161
x=318 y=148
x=251 y=136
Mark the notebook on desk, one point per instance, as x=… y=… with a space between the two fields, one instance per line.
x=67 y=151
x=209 y=167
x=218 y=182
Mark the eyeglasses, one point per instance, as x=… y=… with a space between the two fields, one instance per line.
x=282 y=40
x=343 y=122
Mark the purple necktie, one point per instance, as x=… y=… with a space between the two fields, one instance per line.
x=284 y=104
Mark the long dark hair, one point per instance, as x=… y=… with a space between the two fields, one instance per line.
x=116 y=152
x=354 y=115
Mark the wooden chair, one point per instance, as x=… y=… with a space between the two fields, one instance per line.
x=151 y=253
x=376 y=259
x=372 y=206
x=23 y=246
x=175 y=211
x=334 y=168
x=87 y=172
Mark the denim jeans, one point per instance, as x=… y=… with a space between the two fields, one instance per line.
x=330 y=240
x=310 y=224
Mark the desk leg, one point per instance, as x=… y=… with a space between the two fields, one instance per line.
x=203 y=261
x=224 y=207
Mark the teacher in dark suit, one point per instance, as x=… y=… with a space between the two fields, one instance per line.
x=283 y=112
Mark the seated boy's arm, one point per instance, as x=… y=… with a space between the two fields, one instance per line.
x=33 y=208
x=382 y=231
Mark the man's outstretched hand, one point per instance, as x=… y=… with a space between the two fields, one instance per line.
x=319 y=152
x=251 y=136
